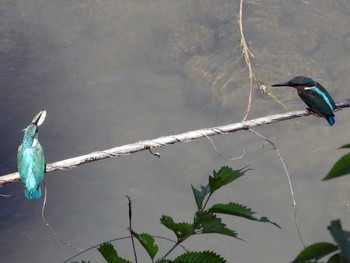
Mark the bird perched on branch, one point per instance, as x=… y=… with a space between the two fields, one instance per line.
x=314 y=95
x=31 y=158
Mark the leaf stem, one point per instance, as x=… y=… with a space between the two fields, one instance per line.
x=206 y=202
x=171 y=249
x=130 y=228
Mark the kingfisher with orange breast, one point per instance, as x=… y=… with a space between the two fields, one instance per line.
x=314 y=95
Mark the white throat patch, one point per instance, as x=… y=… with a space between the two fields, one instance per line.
x=35 y=141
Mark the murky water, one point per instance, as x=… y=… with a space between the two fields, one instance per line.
x=115 y=72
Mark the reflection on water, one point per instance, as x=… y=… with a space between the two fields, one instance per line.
x=115 y=72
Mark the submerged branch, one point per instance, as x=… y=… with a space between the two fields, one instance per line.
x=166 y=140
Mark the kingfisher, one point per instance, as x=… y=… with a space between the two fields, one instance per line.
x=314 y=95
x=31 y=158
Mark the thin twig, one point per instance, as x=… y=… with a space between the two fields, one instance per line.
x=173 y=241
x=95 y=246
x=265 y=90
x=49 y=227
x=289 y=182
x=156 y=154
x=246 y=53
x=130 y=228
x=224 y=158
x=166 y=140
x=252 y=78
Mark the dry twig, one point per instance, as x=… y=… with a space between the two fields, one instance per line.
x=49 y=226
x=246 y=53
x=289 y=182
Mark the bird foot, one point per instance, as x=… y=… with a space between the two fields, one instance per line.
x=314 y=112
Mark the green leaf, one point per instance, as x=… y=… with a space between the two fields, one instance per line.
x=341 y=237
x=346 y=146
x=147 y=242
x=315 y=252
x=202 y=257
x=225 y=176
x=209 y=223
x=340 y=168
x=181 y=230
x=336 y=258
x=238 y=210
x=200 y=195
x=110 y=254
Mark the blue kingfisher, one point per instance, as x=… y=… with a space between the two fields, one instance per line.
x=314 y=95
x=31 y=159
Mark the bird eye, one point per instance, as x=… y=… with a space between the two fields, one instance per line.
x=309 y=84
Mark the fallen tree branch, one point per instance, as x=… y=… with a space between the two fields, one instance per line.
x=166 y=140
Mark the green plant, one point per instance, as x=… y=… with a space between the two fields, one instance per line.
x=205 y=221
x=341 y=167
x=340 y=251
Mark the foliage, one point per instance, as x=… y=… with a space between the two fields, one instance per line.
x=205 y=221
x=341 y=167
x=340 y=251
x=147 y=242
x=110 y=254
x=203 y=257
x=317 y=251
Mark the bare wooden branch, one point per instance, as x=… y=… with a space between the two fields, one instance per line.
x=166 y=140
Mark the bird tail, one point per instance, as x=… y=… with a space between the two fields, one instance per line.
x=32 y=194
x=330 y=120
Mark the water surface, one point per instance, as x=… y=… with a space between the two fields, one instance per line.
x=111 y=73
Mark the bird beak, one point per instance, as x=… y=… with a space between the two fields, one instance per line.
x=39 y=118
x=282 y=84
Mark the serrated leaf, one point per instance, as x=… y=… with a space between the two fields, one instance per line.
x=110 y=254
x=341 y=237
x=202 y=257
x=340 y=168
x=224 y=176
x=209 y=223
x=239 y=210
x=315 y=252
x=200 y=195
x=181 y=230
x=147 y=242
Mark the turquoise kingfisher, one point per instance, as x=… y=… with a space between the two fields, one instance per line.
x=314 y=95
x=31 y=159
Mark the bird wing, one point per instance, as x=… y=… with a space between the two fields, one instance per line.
x=322 y=89
x=317 y=102
x=39 y=169
x=31 y=165
x=20 y=164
